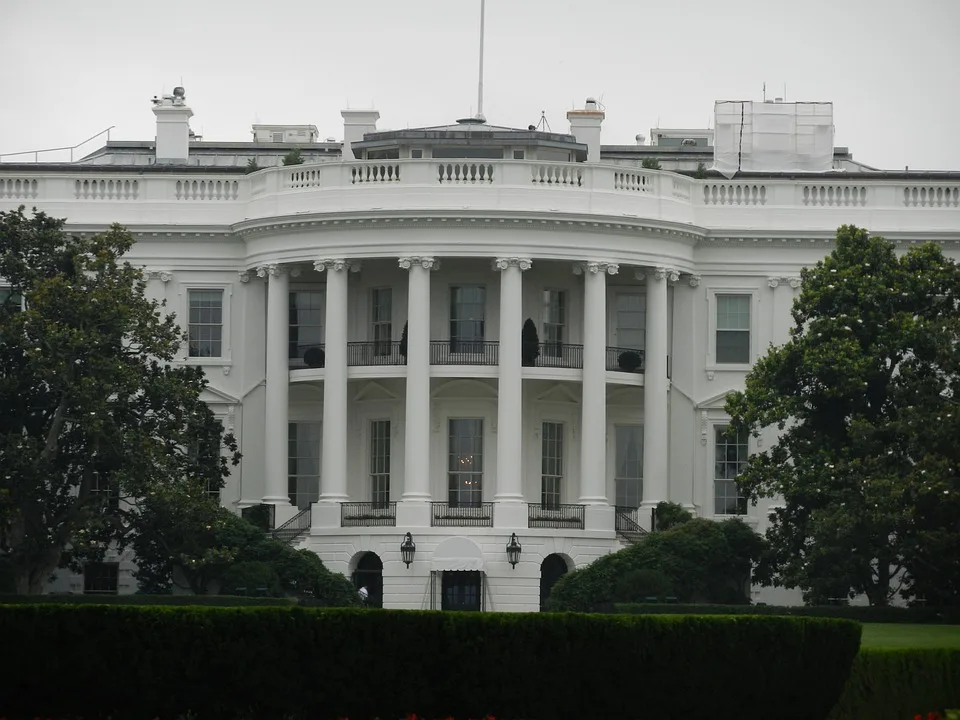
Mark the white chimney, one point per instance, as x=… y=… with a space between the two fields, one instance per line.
x=585 y=127
x=355 y=124
x=173 y=127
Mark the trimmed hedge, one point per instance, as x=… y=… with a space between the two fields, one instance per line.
x=860 y=613
x=175 y=600
x=139 y=662
x=900 y=684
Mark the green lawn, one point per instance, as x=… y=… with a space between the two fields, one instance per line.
x=882 y=635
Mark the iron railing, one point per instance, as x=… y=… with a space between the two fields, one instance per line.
x=464 y=352
x=294 y=527
x=555 y=515
x=627 y=522
x=558 y=355
x=625 y=360
x=368 y=514
x=375 y=352
x=446 y=514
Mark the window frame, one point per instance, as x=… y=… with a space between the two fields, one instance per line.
x=9 y=289
x=616 y=475
x=557 y=479
x=545 y=323
x=458 y=343
x=226 y=350
x=451 y=473
x=296 y=476
x=382 y=345
x=303 y=288
x=373 y=476
x=112 y=577
x=711 y=363
x=639 y=291
x=742 y=507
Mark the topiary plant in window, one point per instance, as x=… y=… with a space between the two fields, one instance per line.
x=630 y=361
x=403 y=342
x=314 y=357
x=529 y=344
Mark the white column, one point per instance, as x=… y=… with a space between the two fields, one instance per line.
x=333 y=469
x=416 y=469
x=593 y=424
x=510 y=396
x=656 y=421
x=278 y=383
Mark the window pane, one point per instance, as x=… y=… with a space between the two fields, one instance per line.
x=730 y=454
x=306 y=321
x=465 y=461
x=631 y=320
x=551 y=479
x=205 y=323
x=629 y=465
x=380 y=461
x=467 y=308
x=733 y=312
x=733 y=346
x=303 y=463
x=554 y=316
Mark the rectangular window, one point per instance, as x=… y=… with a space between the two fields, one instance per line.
x=380 y=462
x=101 y=578
x=303 y=463
x=205 y=324
x=416 y=154
x=731 y=457
x=101 y=490
x=465 y=464
x=551 y=467
x=631 y=320
x=306 y=322
x=629 y=465
x=10 y=300
x=467 y=311
x=554 y=321
x=733 y=329
x=381 y=319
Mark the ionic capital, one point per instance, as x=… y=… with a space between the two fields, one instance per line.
x=163 y=276
x=665 y=273
x=271 y=270
x=773 y=281
x=595 y=267
x=694 y=280
x=427 y=263
x=504 y=263
x=335 y=265
x=244 y=275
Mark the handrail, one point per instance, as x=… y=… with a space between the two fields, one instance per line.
x=295 y=526
x=71 y=148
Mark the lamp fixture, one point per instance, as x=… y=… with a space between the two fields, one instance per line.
x=408 y=548
x=513 y=550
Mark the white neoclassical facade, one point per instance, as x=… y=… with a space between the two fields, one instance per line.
x=361 y=316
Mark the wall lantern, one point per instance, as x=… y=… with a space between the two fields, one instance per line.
x=513 y=551
x=408 y=548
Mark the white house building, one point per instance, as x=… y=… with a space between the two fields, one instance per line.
x=360 y=318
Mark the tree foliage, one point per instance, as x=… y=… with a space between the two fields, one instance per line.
x=94 y=413
x=697 y=560
x=863 y=396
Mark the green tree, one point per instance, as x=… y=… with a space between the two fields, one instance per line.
x=866 y=459
x=670 y=514
x=651 y=164
x=94 y=415
x=252 y=166
x=294 y=157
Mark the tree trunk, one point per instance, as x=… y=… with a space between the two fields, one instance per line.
x=30 y=578
x=878 y=592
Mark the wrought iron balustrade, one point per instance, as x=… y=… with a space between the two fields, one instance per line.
x=368 y=514
x=374 y=352
x=446 y=514
x=464 y=352
x=625 y=360
x=555 y=515
x=558 y=355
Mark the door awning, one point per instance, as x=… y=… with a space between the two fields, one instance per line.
x=458 y=553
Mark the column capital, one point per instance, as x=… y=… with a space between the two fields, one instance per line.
x=427 y=263
x=163 y=276
x=664 y=273
x=694 y=280
x=502 y=263
x=270 y=269
x=795 y=281
x=244 y=276
x=335 y=265
x=775 y=281
x=595 y=267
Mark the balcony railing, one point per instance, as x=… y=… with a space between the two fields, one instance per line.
x=445 y=514
x=368 y=514
x=463 y=352
x=625 y=360
x=376 y=352
x=558 y=355
x=309 y=357
x=540 y=515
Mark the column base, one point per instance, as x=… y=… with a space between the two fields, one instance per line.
x=645 y=513
x=283 y=513
x=593 y=501
x=334 y=497
x=512 y=515
x=598 y=518
x=413 y=514
x=324 y=516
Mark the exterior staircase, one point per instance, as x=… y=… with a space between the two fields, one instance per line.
x=293 y=528
x=627 y=527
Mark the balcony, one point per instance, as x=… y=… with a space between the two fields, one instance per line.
x=558 y=355
x=368 y=514
x=445 y=514
x=625 y=360
x=555 y=516
x=464 y=352
x=378 y=352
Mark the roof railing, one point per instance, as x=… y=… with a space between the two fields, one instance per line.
x=71 y=148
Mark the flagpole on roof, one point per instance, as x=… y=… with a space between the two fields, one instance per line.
x=480 y=84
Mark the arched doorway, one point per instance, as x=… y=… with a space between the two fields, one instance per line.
x=552 y=569
x=369 y=574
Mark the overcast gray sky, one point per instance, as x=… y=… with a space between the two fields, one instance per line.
x=70 y=68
